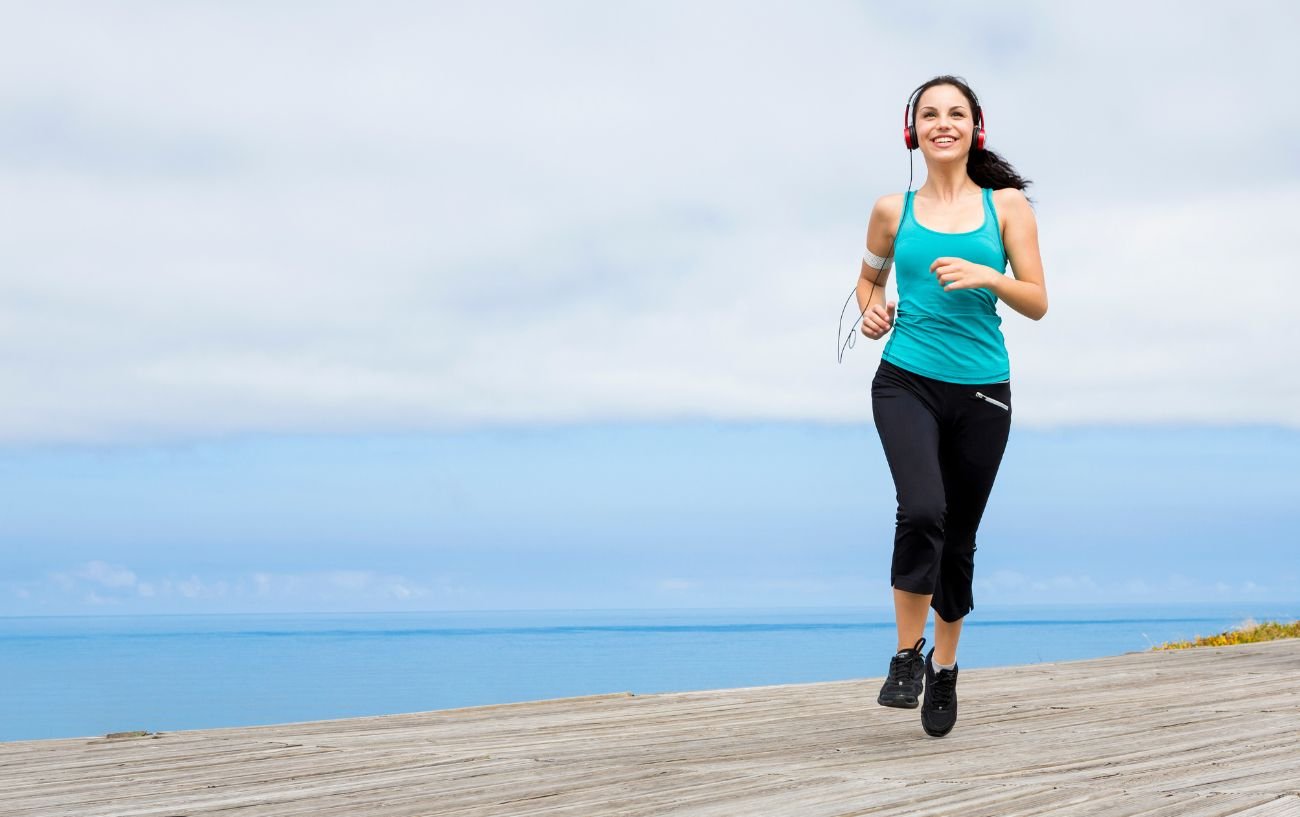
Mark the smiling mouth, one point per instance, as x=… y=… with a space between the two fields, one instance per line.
x=944 y=141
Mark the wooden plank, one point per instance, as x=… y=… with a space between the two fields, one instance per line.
x=1210 y=731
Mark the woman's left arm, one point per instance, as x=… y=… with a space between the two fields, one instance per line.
x=1027 y=294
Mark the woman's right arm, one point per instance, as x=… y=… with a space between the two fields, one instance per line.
x=878 y=317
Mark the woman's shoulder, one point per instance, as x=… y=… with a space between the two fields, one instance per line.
x=1012 y=205
x=890 y=204
x=1012 y=198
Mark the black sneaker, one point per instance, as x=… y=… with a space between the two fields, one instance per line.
x=939 y=712
x=906 y=675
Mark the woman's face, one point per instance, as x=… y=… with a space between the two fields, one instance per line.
x=944 y=124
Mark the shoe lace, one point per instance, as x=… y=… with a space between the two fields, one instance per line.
x=907 y=664
x=943 y=689
x=903 y=667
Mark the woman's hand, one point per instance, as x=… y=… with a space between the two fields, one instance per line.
x=958 y=273
x=878 y=320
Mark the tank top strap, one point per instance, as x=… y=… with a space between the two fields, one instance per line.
x=992 y=227
x=907 y=209
x=991 y=217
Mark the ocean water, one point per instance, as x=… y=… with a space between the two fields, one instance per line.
x=84 y=676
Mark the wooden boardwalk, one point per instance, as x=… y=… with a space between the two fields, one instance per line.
x=1209 y=731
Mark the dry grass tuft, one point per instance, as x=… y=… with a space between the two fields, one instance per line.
x=1247 y=632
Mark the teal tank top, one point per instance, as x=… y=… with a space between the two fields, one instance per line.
x=954 y=336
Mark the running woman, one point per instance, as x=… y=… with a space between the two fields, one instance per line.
x=941 y=398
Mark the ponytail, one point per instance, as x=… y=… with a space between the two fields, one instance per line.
x=988 y=169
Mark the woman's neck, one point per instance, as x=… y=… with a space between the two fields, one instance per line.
x=948 y=183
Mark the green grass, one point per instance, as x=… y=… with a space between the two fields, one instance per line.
x=1245 y=633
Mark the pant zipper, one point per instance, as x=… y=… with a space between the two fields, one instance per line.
x=982 y=396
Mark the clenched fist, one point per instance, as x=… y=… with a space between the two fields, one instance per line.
x=878 y=320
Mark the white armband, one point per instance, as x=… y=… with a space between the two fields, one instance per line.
x=876 y=262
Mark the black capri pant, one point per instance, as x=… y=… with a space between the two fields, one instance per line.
x=944 y=442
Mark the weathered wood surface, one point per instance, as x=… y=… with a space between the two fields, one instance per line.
x=1210 y=731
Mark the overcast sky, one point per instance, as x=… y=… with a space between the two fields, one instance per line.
x=342 y=216
x=273 y=223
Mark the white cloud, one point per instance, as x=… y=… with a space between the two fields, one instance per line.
x=108 y=575
x=191 y=588
x=369 y=590
x=402 y=216
x=98 y=584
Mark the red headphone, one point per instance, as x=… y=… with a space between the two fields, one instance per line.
x=909 y=126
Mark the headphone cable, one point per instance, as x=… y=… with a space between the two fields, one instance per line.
x=843 y=344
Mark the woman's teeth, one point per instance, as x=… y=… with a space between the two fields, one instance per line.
x=944 y=142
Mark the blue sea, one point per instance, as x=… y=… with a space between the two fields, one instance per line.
x=84 y=676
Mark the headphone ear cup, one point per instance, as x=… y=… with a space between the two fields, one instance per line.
x=909 y=133
x=979 y=138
